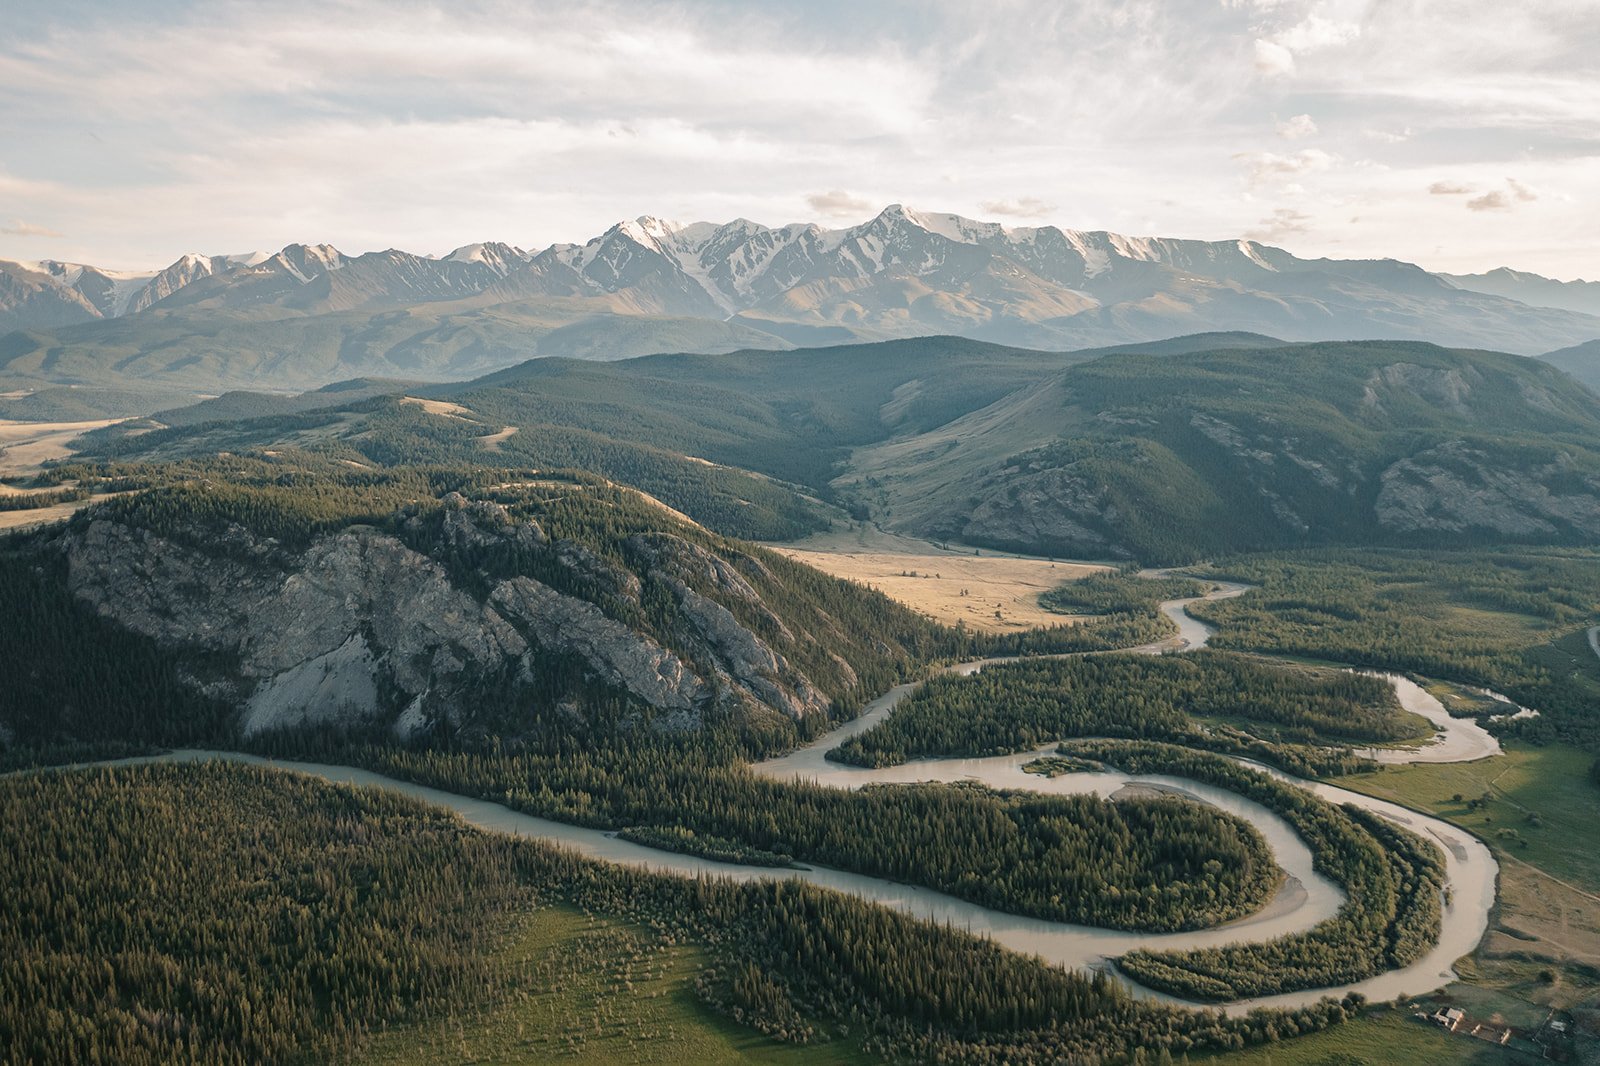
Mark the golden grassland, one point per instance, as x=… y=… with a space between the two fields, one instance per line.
x=989 y=592
x=26 y=446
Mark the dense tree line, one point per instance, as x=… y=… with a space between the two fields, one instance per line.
x=295 y=917
x=1121 y=591
x=1487 y=618
x=688 y=842
x=1393 y=881
x=159 y=914
x=76 y=685
x=1152 y=864
x=1016 y=706
x=32 y=501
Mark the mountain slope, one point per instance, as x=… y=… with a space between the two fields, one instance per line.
x=291 y=594
x=792 y=415
x=1582 y=361
x=1181 y=450
x=1181 y=456
x=1533 y=289
x=311 y=314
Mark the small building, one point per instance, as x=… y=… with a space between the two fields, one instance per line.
x=1494 y=1034
x=1449 y=1018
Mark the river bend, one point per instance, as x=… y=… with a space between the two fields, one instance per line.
x=1304 y=899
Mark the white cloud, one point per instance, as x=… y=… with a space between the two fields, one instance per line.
x=1021 y=207
x=1292 y=129
x=1267 y=167
x=1314 y=33
x=1449 y=188
x=839 y=204
x=370 y=124
x=1283 y=222
x=1273 y=59
x=19 y=228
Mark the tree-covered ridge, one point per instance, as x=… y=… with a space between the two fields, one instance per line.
x=256 y=954
x=1511 y=620
x=594 y=540
x=637 y=564
x=1146 y=864
x=1245 y=706
x=1178 y=458
x=1394 y=881
x=1162 y=457
x=388 y=432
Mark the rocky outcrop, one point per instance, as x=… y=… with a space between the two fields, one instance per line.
x=1055 y=509
x=743 y=659
x=1458 y=488
x=1447 y=388
x=362 y=627
x=619 y=656
x=295 y=637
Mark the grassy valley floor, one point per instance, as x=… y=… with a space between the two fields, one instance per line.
x=594 y=990
x=988 y=592
x=1539 y=812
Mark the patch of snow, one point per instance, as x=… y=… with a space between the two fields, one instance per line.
x=1252 y=252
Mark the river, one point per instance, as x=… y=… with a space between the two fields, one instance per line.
x=1304 y=899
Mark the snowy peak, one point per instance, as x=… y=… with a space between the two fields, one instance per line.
x=308 y=261
x=498 y=257
x=903 y=272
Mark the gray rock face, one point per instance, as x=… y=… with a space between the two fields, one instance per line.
x=1048 y=507
x=743 y=659
x=673 y=557
x=300 y=635
x=1455 y=487
x=622 y=657
x=359 y=627
x=1440 y=387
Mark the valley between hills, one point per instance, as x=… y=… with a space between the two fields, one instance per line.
x=922 y=701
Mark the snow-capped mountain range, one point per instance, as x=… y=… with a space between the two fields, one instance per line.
x=903 y=273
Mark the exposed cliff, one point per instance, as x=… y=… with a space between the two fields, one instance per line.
x=462 y=616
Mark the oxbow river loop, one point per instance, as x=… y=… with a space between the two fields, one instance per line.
x=1304 y=899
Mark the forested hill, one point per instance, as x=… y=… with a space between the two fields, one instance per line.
x=1174 y=458
x=245 y=596
x=1173 y=451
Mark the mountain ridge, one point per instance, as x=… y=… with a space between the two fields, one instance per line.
x=631 y=289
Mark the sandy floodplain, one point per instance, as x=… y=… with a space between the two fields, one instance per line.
x=990 y=592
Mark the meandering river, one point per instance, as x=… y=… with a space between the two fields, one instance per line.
x=1304 y=899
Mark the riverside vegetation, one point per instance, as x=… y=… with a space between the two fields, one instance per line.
x=1393 y=880
x=291 y=947
x=1073 y=858
x=1216 y=700
x=1142 y=865
x=1509 y=620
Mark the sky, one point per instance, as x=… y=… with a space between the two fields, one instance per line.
x=1459 y=134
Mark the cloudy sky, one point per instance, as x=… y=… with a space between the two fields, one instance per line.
x=1460 y=134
